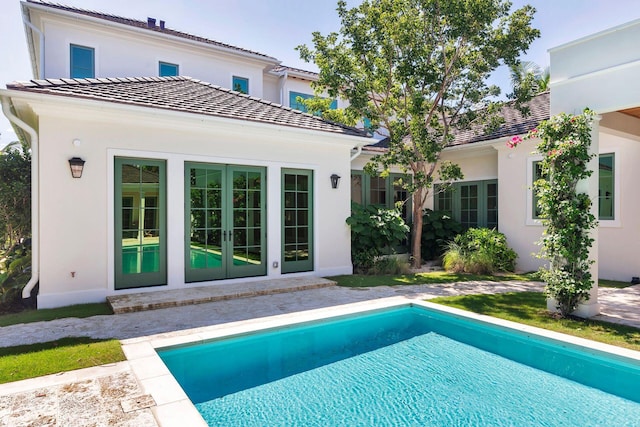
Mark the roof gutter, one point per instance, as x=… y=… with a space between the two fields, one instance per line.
x=35 y=208
x=40 y=74
x=358 y=151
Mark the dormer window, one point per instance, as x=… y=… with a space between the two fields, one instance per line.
x=82 y=62
x=167 y=69
x=240 y=84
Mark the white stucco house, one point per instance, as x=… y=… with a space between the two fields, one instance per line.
x=217 y=177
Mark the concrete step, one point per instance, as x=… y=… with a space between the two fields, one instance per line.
x=152 y=300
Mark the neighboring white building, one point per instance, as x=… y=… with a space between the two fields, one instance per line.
x=175 y=166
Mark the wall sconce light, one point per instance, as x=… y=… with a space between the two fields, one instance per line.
x=335 y=180
x=77 y=165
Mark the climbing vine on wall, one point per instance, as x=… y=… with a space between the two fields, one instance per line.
x=564 y=210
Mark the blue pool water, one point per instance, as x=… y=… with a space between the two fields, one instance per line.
x=407 y=366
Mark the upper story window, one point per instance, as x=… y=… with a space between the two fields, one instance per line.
x=82 y=62
x=240 y=84
x=295 y=103
x=167 y=69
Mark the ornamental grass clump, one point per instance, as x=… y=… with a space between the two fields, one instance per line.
x=565 y=209
x=479 y=251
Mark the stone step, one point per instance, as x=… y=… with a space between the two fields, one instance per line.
x=177 y=297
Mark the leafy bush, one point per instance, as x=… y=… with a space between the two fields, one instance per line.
x=389 y=265
x=372 y=230
x=565 y=142
x=15 y=272
x=438 y=228
x=479 y=251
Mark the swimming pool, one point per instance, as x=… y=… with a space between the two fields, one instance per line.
x=409 y=364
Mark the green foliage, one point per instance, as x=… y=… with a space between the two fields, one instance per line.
x=438 y=228
x=372 y=230
x=389 y=265
x=565 y=212
x=15 y=272
x=417 y=69
x=15 y=195
x=479 y=251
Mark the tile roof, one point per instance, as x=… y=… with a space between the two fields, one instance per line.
x=183 y=94
x=515 y=123
x=144 y=24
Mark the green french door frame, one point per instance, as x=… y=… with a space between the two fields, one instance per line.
x=297 y=220
x=140 y=223
x=225 y=221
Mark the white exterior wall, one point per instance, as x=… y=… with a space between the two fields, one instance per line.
x=515 y=201
x=132 y=52
x=619 y=240
x=77 y=215
x=599 y=71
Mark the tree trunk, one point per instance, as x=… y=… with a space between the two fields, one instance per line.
x=416 y=229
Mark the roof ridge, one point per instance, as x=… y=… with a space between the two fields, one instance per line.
x=144 y=25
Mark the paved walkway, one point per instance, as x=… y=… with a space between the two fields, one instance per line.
x=111 y=395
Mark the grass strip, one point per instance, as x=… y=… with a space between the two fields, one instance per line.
x=429 y=278
x=530 y=308
x=67 y=354
x=79 y=311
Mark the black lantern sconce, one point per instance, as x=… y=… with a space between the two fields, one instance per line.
x=77 y=165
x=335 y=180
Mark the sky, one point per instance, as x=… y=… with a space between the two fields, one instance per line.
x=276 y=27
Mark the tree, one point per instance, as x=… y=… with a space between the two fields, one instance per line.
x=417 y=70
x=15 y=195
x=528 y=76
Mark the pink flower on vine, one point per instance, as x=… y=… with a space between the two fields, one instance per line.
x=554 y=153
x=513 y=142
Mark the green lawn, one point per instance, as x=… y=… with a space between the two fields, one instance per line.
x=30 y=361
x=433 y=277
x=79 y=311
x=530 y=308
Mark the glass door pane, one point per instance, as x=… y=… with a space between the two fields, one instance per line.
x=247 y=231
x=205 y=225
x=224 y=222
x=297 y=217
x=469 y=205
x=140 y=223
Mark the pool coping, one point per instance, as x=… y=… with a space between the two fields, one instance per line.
x=173 y=407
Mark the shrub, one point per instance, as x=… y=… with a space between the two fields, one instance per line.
x=15 y=272
x=372 y=230
x=438 y=228
x=389 y=265
x=479 y=251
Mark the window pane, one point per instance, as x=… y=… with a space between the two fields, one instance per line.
x=82 y=62
x=168 y=70
x=356 y=188
x=240 y=84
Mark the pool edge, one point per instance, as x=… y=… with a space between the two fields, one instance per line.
x=175 y=409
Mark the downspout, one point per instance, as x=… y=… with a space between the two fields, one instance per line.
x=41 y=36
x=35 y=225
x=283 y=80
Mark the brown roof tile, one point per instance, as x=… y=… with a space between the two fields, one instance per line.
x=144 y=24
x=183 y=94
